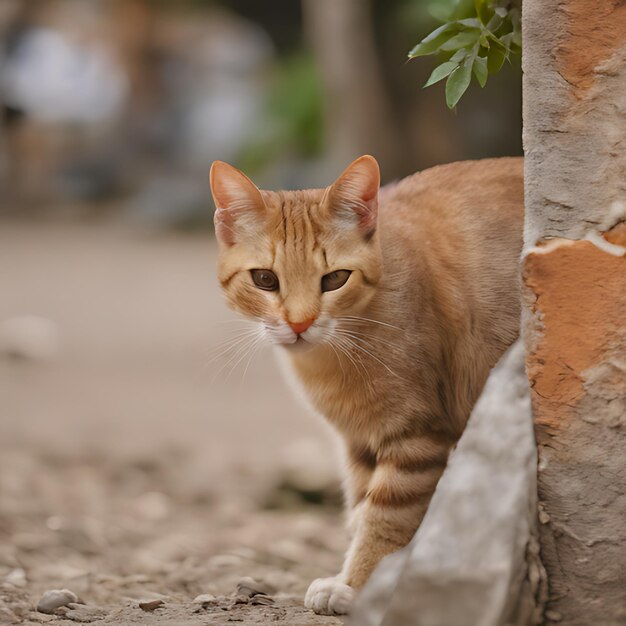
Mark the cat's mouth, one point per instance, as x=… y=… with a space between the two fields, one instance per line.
x=299 y=345
x=282 y=335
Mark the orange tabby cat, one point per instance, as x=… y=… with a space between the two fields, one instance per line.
x=391 y=308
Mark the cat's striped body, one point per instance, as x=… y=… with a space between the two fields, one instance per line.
x=396 y=355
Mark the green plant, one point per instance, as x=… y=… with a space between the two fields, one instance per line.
x=477 y=37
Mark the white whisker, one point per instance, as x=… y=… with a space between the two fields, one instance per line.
x=257 y=343
x=348 y=318
x=368 y=337
x=353 y=341
x=247 y=349
x=229 y=344
x=241 y=347
x=362 y=370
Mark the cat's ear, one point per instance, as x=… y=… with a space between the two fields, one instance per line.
x=235 y=197
x=356 y=192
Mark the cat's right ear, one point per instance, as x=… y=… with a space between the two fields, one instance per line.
x=235 y=197
x=355 y=193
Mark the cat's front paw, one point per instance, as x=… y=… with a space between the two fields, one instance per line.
x=329 y=596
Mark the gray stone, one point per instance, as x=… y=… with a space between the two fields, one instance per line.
x=466 y=564
x=55 y=598
x=16 y=577
x=204 y=598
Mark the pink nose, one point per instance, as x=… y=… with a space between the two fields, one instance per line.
x=300 y=327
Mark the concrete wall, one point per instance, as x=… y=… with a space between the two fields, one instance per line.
x=574 y=272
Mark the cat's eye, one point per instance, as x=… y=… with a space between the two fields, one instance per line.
x=265 y=279
x=335 y=280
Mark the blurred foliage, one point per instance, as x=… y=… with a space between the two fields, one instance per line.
x=477 y=37
x=293 y=115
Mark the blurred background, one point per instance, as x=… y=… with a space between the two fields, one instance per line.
x=143 y=448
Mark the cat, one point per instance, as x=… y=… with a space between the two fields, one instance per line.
x=391 y=306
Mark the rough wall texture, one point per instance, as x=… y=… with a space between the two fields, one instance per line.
x=574 y=272
x=473 y=561
x=574 y=109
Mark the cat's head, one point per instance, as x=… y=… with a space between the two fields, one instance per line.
x=298 y=261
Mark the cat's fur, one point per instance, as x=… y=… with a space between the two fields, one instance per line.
x=395 y=358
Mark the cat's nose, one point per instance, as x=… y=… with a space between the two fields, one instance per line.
x=300 y=327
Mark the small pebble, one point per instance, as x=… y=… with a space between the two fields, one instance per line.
x=16 y=577
x=204 y=598
x=262 y=600
x=55 y=598
x=553 y=616
x=150 y=605
x=249 y=587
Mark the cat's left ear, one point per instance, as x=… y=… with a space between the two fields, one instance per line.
x=238 y=202
x=355 y=192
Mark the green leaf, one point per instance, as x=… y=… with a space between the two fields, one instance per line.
x=457 y=84
x=432 y=42
x=462 y=40
x=440 y=72
x=496 y=57
x=482 y=10
x=459 y=55
x=480 y=70
x=505 y=40
x=494 y=23
x=470 y=22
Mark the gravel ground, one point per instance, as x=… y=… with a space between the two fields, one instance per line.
x=132 y=471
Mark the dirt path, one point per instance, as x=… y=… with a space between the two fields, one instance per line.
x=131 y=469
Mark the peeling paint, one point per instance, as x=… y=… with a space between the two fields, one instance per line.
x=579 y=299
x=607 y=236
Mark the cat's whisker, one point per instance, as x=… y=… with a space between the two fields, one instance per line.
x=327 y=341
x=358 y=366
x=352 y=340
x=241 y=347
x=222 y=349
x=256 y=345
x=242 y=353
x=228 y=344
x=367 y=319
x=368 y=337
x=332 y=347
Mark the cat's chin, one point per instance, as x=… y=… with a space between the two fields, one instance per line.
x=299 y=346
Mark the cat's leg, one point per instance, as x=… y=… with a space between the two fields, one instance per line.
x=390 y=512
x=360 y=466
x=384 y=527
x=331 y=596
